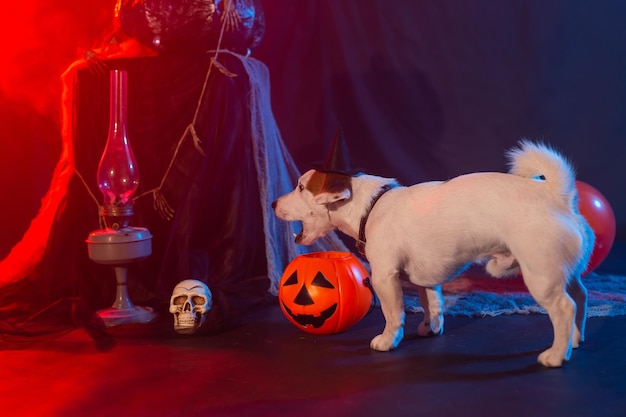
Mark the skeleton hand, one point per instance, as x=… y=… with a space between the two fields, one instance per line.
x=96 y=62
x=231 y=17
x=97 y=58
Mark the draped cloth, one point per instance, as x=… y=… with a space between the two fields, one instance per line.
x=220 y=181
x=278 y=174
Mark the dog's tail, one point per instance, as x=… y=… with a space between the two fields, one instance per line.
x=542 y=163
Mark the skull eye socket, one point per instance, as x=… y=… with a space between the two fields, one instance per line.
x=180 y=300
x=197 y=300
x=321 y=281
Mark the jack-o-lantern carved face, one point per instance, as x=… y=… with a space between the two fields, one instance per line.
x=325 y=292
x=304 y=298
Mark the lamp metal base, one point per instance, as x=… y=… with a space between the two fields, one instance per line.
x=133 y=315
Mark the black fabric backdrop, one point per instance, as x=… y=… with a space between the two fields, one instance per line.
x=432 y=89
x=216 y=234
x=423 y=89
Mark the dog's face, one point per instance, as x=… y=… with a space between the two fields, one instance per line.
x=310 y=203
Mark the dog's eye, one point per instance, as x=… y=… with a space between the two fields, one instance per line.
x=301 y=187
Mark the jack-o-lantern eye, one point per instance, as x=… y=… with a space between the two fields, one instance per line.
x=292 y=280
x=321 y=281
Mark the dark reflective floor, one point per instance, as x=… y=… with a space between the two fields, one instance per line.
x=267 y=367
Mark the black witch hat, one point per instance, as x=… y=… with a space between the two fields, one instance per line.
x=337 y=160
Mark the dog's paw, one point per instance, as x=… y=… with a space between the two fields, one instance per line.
x=432 y=328
x=551 y=359
x=427 y=330
x=385 y=342
x=577 y=338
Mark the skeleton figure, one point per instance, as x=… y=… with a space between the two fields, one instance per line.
x=190 y=303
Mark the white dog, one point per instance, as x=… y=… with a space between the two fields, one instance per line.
x=526 y=221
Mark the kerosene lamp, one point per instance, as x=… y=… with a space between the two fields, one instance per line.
x=119 y=244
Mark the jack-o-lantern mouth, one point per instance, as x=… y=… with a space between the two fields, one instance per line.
x=311 y=320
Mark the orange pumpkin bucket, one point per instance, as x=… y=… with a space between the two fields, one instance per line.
x=325 y=292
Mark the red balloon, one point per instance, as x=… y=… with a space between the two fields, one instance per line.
x=598 y=212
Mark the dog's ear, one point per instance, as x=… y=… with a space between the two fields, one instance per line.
x=329 y=198
x=328 y=188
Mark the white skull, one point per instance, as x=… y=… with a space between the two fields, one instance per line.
x=190 y=303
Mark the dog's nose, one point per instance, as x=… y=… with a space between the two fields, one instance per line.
x=273 y=204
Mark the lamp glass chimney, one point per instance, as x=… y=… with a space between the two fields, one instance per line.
x=118 y=175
